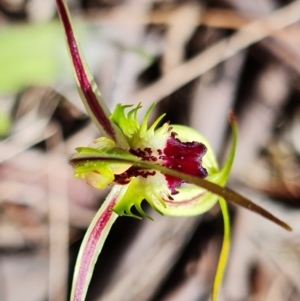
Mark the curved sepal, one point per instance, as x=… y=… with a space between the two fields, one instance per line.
x=92 y=244
x=224 y=251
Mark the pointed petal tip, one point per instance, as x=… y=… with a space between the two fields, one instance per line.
x=232 y=117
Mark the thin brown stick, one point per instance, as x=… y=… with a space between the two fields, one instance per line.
x=228 y=194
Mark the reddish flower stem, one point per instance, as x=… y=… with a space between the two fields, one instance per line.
x=92 y=245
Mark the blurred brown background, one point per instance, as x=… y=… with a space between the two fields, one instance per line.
x=198 y=59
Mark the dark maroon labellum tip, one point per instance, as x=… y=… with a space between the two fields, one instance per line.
x=184 y=157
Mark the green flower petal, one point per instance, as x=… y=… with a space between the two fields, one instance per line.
x=97 y=173
x=138 y=190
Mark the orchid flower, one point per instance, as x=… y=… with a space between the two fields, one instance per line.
x=172 y=167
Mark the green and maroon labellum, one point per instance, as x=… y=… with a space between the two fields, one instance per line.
x=175 y=147
x=181 y=156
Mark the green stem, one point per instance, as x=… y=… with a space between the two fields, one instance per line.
x=225 y=171
x=224 y=251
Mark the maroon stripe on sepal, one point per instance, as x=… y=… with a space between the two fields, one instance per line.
x=84 y=83
x=90 y=249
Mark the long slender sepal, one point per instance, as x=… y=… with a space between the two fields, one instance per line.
x=92 y=244
x=88 y=90
x=224 y=251
x=225 y=171
x=228 y=194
